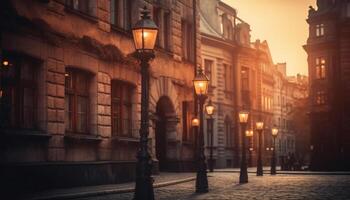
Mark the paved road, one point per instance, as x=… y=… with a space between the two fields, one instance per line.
x=224 y=186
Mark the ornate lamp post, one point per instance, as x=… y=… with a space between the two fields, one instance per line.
x=243 y=119
x=144 y=35
x=209 y=108
x=259 y=128
x=249 y=134
x=274 y=132
x=195 y=125
x=200 y=83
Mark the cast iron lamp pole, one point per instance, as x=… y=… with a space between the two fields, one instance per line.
x=195 y=125
x=273 y=159
x=259 y=128
x=243 y=119
x=200 y=83
x=209 y=108
x=249 y=134
x=144 y=35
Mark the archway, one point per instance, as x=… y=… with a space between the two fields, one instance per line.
x=164 y=128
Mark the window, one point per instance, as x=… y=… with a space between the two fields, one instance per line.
x=245 y=78
x=320 y=97
x=115 y=18
x=226 y=26
x=83 y=6
x=122 y=108
x=319 y=30
x=187 y=110
x=227 y=77
x=121 y=13
x=187 y=41
x=77 y=101
x=245 y=86
x=320 y=68
x=348 y=9
x=18 y=100
x=228 y=133
x=166 y=30
x=208 y=66
x=162 y=20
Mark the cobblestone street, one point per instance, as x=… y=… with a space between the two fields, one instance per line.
x=283 y=187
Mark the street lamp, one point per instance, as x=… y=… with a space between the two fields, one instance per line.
x=200 y=83
x=195 y=122
x=144 y=35
x=274 y=132
x=209 y=108
x=259 y=128
x=249 y=134
x=243 y=119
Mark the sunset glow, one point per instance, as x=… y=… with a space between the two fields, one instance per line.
x=282 y=23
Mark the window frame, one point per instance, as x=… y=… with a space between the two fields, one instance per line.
x=16 y=85
x=320 y=98
x=320 y=68
x=188 y=130
x=319 y=30
x=122 y=15
x=74 y=94
x=187 y=41
x=118 y=101
x=228 y=133
x=90 y=13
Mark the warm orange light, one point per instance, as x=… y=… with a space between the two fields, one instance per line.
x=249 y=133
x=251 y=149
x=209 y=108
x=0 y=93
x=200 y=83
x=195 y=122
x=243 y=116
x=259 y=126
x=145 y=32
x=5 y=63
x=274 y=132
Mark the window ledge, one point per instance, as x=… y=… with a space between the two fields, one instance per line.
x=82 y=137
x=25 y=133
x=126 y=139
x=87 y=16
x=121 y=30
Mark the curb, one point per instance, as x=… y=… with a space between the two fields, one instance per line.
x=108 y=191
x=267 y=172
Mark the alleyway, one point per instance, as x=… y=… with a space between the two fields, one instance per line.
x=224 y=186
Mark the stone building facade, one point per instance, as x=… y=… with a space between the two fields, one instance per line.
x=328 y=59
x=241 y=74
x=70 y=91
x=217 y=26
x=290 y=95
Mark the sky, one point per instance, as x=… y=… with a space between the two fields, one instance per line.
x=282 y=23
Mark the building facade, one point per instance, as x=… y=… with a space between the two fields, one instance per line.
x=328 y=59
x=241 y=76
x=219 y=48
x=70 y=91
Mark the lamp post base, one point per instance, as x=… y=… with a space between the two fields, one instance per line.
x=202 y=182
